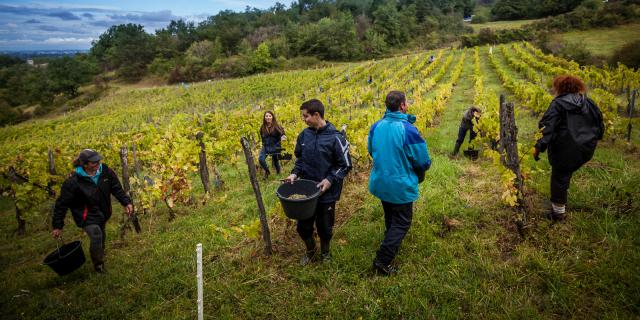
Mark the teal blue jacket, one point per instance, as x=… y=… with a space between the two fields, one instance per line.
x=398 y=152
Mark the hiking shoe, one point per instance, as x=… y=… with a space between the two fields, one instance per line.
x=100 y=268
x=555 y=217
x=308 y=257
x=326 y=258
x=387 y=270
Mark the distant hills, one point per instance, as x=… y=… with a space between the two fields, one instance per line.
x=28 y=54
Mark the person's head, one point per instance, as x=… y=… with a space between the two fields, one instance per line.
x=269 y=123
x=312 y=113
x=396 y=101
x=268 y=118
x=88 y=159
x=568 y=84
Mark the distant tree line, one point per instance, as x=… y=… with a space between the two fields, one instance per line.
x=241 y=43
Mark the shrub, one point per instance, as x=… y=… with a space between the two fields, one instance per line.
x=628 y=55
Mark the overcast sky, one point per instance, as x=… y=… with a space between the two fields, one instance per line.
x=71 y=24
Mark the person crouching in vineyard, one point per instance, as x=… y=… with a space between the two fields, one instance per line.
x=466 y=124
x=322 y=154
x=271 y=134
x=87 y=193
x=400 y=159
x=571 y=128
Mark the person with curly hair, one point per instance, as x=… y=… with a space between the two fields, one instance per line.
x=571 y=128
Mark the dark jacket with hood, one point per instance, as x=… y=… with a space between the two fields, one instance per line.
x=271 y=141
x=572 y=127
x=323 y=154
x=90 y=203
x=467 y=117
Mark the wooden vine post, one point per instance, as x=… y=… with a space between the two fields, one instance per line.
x=52 y=165
x=202 y=166
x=126 y=186
x=509 y=147
x=266 y=235
x=632 y=103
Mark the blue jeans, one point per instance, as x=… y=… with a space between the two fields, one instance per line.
x=263 y=161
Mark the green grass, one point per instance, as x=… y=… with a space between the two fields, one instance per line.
x=502 y=25
x=583 y=268
x=603 y=42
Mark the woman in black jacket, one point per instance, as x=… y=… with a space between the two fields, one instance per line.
x=571 y=128
x=271 y=134
x=87 y=193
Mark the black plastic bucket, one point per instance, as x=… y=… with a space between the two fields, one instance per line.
x=299 y=209
x=471 y=154
x=66 y=258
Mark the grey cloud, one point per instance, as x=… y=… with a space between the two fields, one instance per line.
x=64 y=15
x=48 y=28
x=88 y=15
x=32 y=21
x=157 y=16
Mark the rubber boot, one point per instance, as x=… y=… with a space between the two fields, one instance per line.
x=325 y=251
x=310 y=253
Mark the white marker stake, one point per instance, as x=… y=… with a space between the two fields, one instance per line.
x=199 y=276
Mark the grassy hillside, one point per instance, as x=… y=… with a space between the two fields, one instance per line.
x=582 y=268
x=502 y=25
x=603 y=42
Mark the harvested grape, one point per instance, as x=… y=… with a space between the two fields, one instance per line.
x=296 y=196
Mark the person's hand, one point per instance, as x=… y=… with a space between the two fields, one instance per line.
x=283 y=138
x=290 y=178
x=56 y=233
x=536 y=154
x=129 y=209
x=324 y=185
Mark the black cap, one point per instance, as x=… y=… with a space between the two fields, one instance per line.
x=89 y=155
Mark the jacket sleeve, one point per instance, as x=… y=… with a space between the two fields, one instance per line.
x=341 y=160
x=297 y=167
x=117 y=191
x=64 y=201
x=416 y=149
x=548 y=124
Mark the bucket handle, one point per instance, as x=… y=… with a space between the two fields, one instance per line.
x=58 y=242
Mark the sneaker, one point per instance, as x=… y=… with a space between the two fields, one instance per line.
x=307 y=257
x=326 y=258
x=100 y=268
x=387 y=270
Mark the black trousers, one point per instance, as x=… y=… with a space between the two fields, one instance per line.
x=397 y=221
x=560 y=181
x=462 y=132
x=97 y=237
x=324 y=218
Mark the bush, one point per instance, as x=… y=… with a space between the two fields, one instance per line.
x=479 y=19
x=628 y=55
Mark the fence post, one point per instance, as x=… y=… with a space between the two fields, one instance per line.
x=266 y=235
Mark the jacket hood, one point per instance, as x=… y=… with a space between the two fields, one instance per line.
x=571 y=101
x=399 y=116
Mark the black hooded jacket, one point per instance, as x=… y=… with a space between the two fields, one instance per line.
x=89 y=203
x=323 y=154
x=572 y=127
